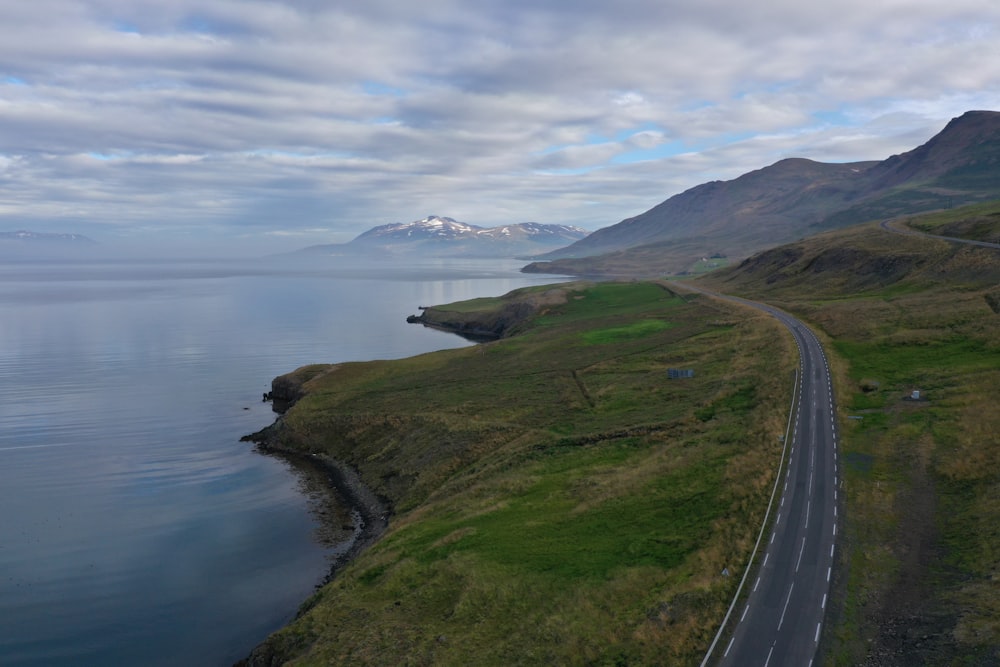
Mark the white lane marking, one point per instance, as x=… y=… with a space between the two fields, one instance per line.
x=766 y=556
x=823 y=605
x=808 y=507
x=805 y=341
x=785 y=608
x=799 y=561
x=745 y=610
x=756 y=584
x=729 y=647
x=831 y=551
x=818 y=626
x=828 y=573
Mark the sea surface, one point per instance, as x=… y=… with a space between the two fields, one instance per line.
x=135 y=527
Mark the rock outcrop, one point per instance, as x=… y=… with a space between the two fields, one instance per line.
x=287 y=389
x=493 y=323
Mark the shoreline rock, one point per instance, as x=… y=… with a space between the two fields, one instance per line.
x=287 y=389
x=371 y=513
x=502 y=321
x=468 y=330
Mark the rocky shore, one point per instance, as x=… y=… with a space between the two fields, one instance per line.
x=370 y=512
x=370 y=509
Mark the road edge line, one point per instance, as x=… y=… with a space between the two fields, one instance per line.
x=767 y=514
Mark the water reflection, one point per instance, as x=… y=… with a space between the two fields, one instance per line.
x=132 y=515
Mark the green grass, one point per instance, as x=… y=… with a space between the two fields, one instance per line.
x=917 y=361
x=475 y=305
x=490 y=303
x=540 y=532
x=610 y=300
x=639 y=329
x=919 y=550
x=557 y=499
x=706 y=265
x=926 y=474
x=979 y=222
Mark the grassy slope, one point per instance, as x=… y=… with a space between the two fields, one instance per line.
x=656 y=259
x=921 y=555
x=557 y=499
x=979 y=223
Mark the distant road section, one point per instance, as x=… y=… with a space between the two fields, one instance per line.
x=777 y=615
x=906 y=231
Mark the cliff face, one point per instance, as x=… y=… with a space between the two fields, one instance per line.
x=287 y=389
x=499 y=320
x=480 y=326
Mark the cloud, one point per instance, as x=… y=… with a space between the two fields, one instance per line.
x=321 y=119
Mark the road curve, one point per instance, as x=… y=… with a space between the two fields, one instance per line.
x=777 y=615
x=889 y=227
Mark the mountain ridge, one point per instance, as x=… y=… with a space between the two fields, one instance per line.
x=795 y=197
x=446 y=237
x=25 y=236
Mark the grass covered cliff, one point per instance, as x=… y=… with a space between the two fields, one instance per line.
x=556 y=498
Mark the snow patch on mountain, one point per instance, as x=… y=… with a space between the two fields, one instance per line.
x=25 y=235
x=441 y=236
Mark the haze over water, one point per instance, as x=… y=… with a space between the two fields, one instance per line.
x=135 y=528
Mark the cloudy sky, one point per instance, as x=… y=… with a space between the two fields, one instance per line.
x=282 y=124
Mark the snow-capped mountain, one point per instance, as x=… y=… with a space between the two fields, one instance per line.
x=43 y=237
x=24 y=244
x=430 y=228
x=446 y=237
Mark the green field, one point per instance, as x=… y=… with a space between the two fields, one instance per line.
x=557 y=499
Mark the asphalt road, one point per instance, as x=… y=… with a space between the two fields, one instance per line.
x=777 y=617
x=905 y=231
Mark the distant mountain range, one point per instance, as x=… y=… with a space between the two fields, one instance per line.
x=437 y=236
x=791 y=199
x=46 y=238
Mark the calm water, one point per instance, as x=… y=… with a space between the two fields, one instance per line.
x=135 y=528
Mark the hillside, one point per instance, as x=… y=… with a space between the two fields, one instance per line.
x=555 y=497
x=902 y=313
x=792 y=199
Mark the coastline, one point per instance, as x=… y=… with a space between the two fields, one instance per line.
x=369 y=511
